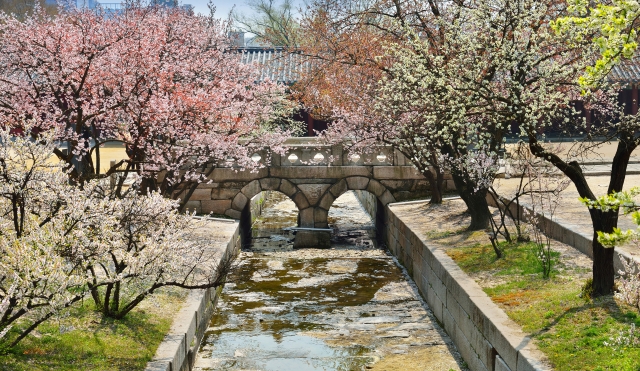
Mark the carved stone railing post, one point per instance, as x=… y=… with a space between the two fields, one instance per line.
x=336 y=153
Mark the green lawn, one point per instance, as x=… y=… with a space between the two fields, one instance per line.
x=84 y=340
x=570 y=330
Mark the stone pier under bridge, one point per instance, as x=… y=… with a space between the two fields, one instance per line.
x=313 y=176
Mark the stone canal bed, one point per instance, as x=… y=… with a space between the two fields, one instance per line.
x=346 y=308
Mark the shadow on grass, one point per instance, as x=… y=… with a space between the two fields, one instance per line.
x=85 y=341
x=607 y=303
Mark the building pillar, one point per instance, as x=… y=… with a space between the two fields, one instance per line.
x=634 y=99
x=587 y=116
x=310 y=132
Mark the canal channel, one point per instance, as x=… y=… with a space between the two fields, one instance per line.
x=346 y=308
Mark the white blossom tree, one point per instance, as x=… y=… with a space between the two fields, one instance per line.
x=61 y=242
x=152 y=246
x=457 y=76
x=453 y=77
x=41 y=228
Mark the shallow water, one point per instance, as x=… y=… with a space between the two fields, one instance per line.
x=345 y=308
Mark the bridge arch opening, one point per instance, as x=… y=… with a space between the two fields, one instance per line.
x=372 y=194
x=248 y=203
x=356 y=183
x=353 y=220
x=241 y=199
x=265 y=219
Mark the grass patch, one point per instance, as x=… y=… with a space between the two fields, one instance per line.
x=574 y=333
x=518 y=259
x=83 y=340
x=436 y=235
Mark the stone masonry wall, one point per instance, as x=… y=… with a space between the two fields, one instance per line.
x=177 y=350
x=368 y=201
x=257 y=203
x=483 y=334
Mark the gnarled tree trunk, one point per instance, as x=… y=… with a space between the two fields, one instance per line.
x=436 y=184
x=476 y=202
x=603 y=221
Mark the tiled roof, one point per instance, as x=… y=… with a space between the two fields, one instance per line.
x=627 y=71
x=276 y=64
x=283 y=66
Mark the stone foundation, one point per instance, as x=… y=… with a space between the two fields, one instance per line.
x=312 y=239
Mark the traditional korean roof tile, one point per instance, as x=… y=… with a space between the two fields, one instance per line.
x=627 y=71
x=276 y=64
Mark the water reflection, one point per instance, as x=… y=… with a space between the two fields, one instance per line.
x=265 y=352
x=269 y=230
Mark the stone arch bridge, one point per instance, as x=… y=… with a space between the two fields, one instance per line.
x=313 y=176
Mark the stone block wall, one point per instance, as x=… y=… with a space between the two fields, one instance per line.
x=178 y=349
x=483 y=334
x=257 y=204
x=368 y=201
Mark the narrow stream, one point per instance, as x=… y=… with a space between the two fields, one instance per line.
x=346 y=308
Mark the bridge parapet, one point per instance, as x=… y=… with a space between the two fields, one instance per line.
x=313 y=152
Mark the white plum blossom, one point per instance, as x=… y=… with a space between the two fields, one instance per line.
x=60 y=241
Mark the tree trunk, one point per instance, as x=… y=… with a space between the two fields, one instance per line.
x=603 y=271
x=606 y=221
x=436 y=182
x=437 y=188
x=83 y=169
x=479 y=210
x=476 y=203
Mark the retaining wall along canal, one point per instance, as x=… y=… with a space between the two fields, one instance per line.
x=563 y=231
x=483 y=334
x=177 y=350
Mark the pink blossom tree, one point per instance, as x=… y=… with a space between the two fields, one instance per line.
x=160 y=80
x=345 y=42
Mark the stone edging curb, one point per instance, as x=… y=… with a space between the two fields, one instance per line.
x=177 y=350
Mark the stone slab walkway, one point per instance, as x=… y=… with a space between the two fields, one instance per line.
x=605 y=169
x=602 y=154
